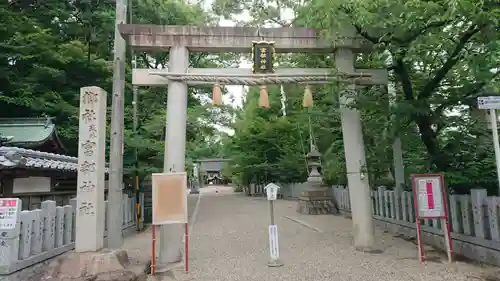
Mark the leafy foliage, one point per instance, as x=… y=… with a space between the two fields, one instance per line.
x=49 y=49
x=444 y=54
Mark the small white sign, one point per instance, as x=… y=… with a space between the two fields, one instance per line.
x=195 y=171
x=274 y=249
x=272 y=191
x=9 y=212
x=430 y=197
x=492 y=102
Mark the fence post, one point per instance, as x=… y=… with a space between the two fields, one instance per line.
x=37 y=245
x=455 y=221
x=380 y=198
x=68 y=224
x=411 y=207
x=397 y=204
x=59 y=239
x=49 y=237
x=478 y=198
x=404 y=206
x=73 y=224
x=26 y=229
x=465 y=204
x=493 y=203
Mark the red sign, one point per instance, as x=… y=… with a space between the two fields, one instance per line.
x=429 y=197
x=8 y=203
x=9 y=213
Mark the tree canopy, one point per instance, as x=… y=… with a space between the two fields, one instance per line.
x=441 y=55
x=49 y=49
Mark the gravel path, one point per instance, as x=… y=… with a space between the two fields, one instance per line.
x=229 y=242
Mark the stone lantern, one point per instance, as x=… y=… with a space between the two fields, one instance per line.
x=315 y=179
x=316 y=198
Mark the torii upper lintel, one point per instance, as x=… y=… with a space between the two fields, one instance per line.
x=236 y=39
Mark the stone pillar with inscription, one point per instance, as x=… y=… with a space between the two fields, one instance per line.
x=91 y=163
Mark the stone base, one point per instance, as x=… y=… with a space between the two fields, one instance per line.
x=368 y=250
x=315 y=207
x=170 y=273
x=164 y=276
x=275 y=263
x=105 y=265
x=317 y=201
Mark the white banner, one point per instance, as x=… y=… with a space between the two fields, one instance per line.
x=273 y=242
x=283 y=100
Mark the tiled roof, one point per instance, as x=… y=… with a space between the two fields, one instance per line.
x=26 y=130
x=14 y=157
x=30 y=132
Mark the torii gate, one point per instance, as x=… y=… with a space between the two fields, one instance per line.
x=180 y=40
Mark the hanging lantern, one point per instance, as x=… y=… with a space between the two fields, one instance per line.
x=263 y=97
x=216 y=95
x=308 y=99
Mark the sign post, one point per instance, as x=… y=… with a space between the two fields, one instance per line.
x=492 y=103
x=170 y=207
x=274 y=252
x=429 y=197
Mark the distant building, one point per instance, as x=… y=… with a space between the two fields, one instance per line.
x=211 y=170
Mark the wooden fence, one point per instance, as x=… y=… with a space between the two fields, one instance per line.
x=47 y=232
x=474 y=221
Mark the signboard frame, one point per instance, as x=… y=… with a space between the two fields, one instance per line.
x=180 y=193
x=489 y=102
x=263 y=53
x=482 y=103
x=415 y=178
x=272 y=191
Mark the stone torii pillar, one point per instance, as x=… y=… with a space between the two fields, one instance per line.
x=175 y=146
x=357 y=175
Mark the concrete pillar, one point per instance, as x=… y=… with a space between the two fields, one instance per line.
x=175 y=147
x=399 y=170
x=116 y=138
x=91 y=159
x=357 y=176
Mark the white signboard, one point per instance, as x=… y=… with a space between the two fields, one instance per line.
x=9 y=212
x=271 y=191
x=195 y=171
x=274 y=250
x=430 y=197
x=492 y=102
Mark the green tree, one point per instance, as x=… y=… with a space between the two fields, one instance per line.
x=49 y=49
x=445 y=54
